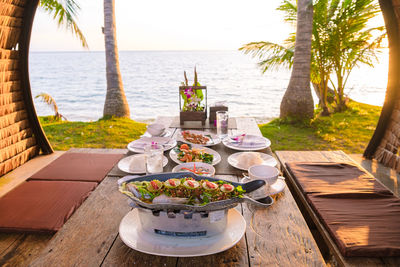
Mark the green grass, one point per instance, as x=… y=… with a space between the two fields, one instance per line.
x=349 y=131
x=104 y=133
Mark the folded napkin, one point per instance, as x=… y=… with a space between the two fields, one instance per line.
x=142 y=142
x=247 y=141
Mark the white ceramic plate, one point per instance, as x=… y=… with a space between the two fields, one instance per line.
x=214 y=139
x=168 y=146
x=217 y=157
x=166 y=133
x=170 y=246
x=233 y=160
x=125 y=164
x=190 y=165
x=273 y=189
x=227 y=143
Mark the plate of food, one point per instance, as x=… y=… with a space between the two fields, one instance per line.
x=199 y=168
x=136 y=164
x=188 y=153
x=198 y=138
x=246 y=142
x=243 y=160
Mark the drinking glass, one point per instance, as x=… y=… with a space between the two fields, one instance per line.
x=154 y=158
x=222 y=123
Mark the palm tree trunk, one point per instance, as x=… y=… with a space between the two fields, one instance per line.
x=297 y=101
x=116 y=103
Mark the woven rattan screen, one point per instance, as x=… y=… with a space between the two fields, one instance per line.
x=18 y=128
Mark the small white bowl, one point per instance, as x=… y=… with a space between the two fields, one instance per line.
x=155 y=129
x=264 y=172
x=190 y=165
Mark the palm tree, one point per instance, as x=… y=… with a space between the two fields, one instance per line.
x=297 y=101
x=340 y=42
x=65 y=12
x=116 y=103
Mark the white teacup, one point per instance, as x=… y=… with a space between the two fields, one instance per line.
x=264 y=172
x=155 y=129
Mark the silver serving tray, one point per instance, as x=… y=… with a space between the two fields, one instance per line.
x=216 y=205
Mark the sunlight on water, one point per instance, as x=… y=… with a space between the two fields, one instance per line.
x=151 y=78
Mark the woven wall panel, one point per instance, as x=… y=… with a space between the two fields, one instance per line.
x=10 y=21
x=18 y=137
x=12 y=108
x=9 y=98
x=8 y=64
x=20 y=3
x=8 y=54
x=12 y=10
x=9 y=36
x=387 y=152
x=17 y=148
x=13 y=129
x=19 y=159
x=9 y=76
x=12 y=118
x=9 y=87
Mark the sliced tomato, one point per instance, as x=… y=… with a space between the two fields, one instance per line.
x=184 y=146
x=190 y=183
x=171 y=182
x=154 y=185
x=228 y=187
x=210 y=185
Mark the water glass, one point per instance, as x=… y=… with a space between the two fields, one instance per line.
x=222 y=123
x=154 y=154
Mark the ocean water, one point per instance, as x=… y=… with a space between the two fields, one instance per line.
x=77 y=82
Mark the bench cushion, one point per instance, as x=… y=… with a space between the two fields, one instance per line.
x=335 y=178
x=89 y=167
x=361 y=226
x=361 y=215
x=42 y=206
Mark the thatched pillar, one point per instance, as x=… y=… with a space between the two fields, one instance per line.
x=384 y=143
x=21 y=136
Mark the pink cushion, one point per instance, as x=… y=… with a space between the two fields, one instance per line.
x=42 y=206
x=88 y=167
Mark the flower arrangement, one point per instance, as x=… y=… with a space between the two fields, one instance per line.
x=192 y=98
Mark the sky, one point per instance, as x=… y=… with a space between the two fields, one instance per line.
x=168 y=25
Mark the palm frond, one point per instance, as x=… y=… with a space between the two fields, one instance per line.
x=49 y=100
x=65 y=13
x=271 y=55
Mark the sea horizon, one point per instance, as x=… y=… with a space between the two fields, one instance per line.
x=151 y=79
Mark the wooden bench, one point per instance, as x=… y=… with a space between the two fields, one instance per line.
x=321 y=235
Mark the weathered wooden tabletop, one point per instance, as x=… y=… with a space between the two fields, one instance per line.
x=276 y=236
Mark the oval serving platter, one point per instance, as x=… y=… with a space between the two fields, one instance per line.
x=216 y=205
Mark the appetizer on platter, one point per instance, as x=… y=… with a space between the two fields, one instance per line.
x=181 y=191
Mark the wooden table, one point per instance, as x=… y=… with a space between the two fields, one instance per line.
x=313 y=220
x=276 y=236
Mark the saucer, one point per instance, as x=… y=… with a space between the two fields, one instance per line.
x=171 y=246
x=166 y=133
x=275 y=188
